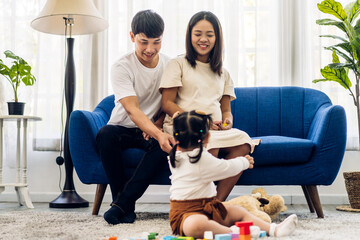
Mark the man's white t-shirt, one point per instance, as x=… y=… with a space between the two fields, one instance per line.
x=130 y=78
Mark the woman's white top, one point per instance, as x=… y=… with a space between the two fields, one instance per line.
x=201 y=89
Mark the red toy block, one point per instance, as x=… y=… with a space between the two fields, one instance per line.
x=245 y=233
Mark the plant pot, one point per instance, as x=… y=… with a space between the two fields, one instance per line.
x=16 y=108
x=352 y=183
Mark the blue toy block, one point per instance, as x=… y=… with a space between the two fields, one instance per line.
x=262 y=234
x=222 y=237
x=169 y=238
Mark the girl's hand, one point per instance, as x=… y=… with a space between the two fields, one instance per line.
x=216 y=125
x=251 y=161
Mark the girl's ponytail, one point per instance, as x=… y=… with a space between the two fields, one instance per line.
x=172 y=155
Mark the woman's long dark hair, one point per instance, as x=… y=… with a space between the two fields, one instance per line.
x=216 y=53
x=190 y=130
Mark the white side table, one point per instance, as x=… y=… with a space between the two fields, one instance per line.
x=20 y=185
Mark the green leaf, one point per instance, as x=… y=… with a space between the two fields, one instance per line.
x=353 y=10
x=327 y=21
x=341 y=54
x=28 y=80
x=357 y=27
x=335 y=57
x=340 y=65
x=346 y=46
x=319 y=80
x=10 y=54
x=355 y=52
x=332 y=7
x=337 y=75
x=3 y=67
x=349 y=30
x=335 y=37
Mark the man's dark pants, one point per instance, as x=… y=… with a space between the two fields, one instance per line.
x=111 y=140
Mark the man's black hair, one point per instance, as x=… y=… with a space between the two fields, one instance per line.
x=149 y=23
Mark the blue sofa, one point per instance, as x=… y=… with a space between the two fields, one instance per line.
x=302 y=134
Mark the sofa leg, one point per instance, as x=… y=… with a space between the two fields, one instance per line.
x=99 y=195
x=308 y=199
x=315 y=199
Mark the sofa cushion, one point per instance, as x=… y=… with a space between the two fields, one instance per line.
x=276 y=150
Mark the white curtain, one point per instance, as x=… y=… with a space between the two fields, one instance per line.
x=267 y=43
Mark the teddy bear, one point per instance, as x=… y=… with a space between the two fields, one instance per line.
x=261 y=204
x=276 y=203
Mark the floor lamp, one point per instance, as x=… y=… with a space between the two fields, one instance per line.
x=69 y=17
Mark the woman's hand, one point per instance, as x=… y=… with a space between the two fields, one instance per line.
x=226 y=124
x=221 y=125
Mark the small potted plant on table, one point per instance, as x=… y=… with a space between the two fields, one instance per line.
x=19 y=71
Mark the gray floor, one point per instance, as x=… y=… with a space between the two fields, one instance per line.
x=140 y=207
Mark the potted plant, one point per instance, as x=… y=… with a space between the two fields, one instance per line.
x=348 y=48
x=19 y=71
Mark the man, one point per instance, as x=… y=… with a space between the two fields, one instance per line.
x=136 y=120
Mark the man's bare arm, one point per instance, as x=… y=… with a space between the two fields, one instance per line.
x=132 y=107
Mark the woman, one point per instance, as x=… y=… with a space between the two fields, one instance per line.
x=198 y=81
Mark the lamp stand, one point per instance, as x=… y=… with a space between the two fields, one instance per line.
x=69 y=197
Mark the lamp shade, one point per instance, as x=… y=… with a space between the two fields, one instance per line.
x=87 y=18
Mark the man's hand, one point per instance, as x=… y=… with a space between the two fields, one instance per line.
x=146 y=136
x=166 y=142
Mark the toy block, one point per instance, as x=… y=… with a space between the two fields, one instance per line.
x=152 y=236
x=222 y=237
x=255 y=232
x=244 y=230
x=234 y=236
x=184 y=238
x=113 y=238
x=263 y=234
x=208 y=235
x=169 y=238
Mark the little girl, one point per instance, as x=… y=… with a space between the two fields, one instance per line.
x=194 y=207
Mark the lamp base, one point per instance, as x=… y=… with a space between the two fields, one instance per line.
x=69 y=199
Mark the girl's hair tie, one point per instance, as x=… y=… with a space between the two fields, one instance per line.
x=200 y=112
x=201 y=130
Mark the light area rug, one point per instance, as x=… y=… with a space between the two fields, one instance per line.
x=71 y=225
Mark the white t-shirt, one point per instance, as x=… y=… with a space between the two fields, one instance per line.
x=201 y=89
x=195 y=180
x=130 y=78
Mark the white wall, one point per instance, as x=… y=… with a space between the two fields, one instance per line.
x=43 y=180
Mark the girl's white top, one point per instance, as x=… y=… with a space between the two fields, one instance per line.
x=196 y=180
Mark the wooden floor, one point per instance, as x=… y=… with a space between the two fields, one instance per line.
x=140 y=207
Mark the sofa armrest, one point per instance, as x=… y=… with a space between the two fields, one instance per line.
x=83 y=127
x=328 y=132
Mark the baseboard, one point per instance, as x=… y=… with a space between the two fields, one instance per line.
x=163 y=197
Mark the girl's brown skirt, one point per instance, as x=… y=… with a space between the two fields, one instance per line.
x=181 y=209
